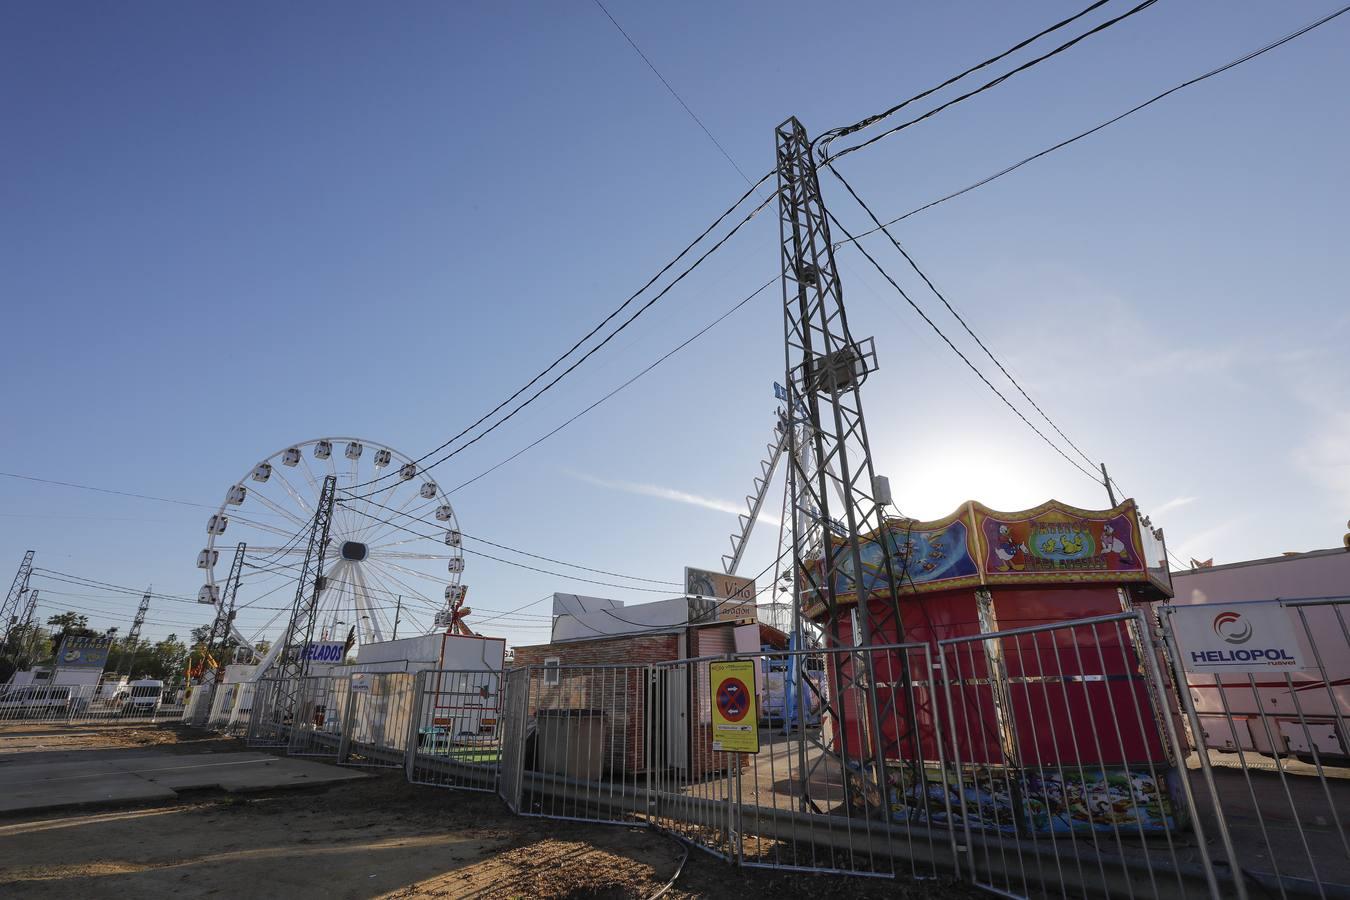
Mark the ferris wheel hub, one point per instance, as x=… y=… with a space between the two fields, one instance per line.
x=354 y=551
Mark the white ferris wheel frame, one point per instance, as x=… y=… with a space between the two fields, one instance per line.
x=397 y=461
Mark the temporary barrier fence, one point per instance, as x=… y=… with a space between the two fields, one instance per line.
x=582 y=752
x=1067 y=768
x=269 y=723
x=379 y=709
x=199 y=703
x=456 y=735
x=514 y=722
x=691 y=785
x=805 y=800
x=84 y=703
x=316 y=726
x=1266 y=691
x=1036 y=761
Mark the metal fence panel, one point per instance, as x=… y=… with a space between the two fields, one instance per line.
x=379 y=712
x=320 y=706
x=583 y=756
x=692 y=786
x=1274 y=745
x=45 y=703
x=805 y=803
x=456 y=735
x=269 y=725
x=197 y=711
x=1066 y=769
x=514 y=731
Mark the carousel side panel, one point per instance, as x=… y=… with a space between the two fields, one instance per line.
x=1059 y=543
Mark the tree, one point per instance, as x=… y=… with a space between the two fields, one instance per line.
x=68 y=623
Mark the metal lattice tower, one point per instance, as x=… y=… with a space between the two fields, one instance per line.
x=9 y=611
x=826 y=367
x=220 y=627
x=29 y=625
x=134 y=634
x=294 y=663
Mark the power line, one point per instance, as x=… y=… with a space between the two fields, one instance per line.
x=926 y=280
x=517 y=611
x=1129 y=112
x=512 y=563
x=931 y=324
x=825 y=139
x=429 y=605
x=644 y=627
x=994 y=83
x=693 y=115
x=86 y=487
x=560 y=562
x=87 y=582
x=700 y=333
x=603 y=322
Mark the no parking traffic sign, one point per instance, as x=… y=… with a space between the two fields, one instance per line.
x=735 y=721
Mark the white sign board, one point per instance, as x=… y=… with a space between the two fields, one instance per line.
x=326 y=651
x=1238 y=638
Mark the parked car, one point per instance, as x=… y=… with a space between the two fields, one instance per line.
x=46 y=702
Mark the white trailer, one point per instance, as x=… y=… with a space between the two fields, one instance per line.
x=1275 y=712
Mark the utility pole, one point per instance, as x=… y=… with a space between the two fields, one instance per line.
x=398 y=611
x=9 y=610
x=300 y=631
x=826 y=367
x=220 y=627
x=1106 y=481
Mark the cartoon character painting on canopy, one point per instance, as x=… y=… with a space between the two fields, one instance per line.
x=1056 y=538
x=978 y=546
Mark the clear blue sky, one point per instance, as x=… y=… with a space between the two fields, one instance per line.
x=227 y=228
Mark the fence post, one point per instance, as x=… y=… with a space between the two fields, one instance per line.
x=345 y=739
x=1179 y=679
x=410 y=751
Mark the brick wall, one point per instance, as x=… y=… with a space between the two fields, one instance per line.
x=589 y=681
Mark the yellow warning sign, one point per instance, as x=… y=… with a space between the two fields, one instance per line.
x=735 y=720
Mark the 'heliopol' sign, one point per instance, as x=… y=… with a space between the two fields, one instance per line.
x=1238 y=638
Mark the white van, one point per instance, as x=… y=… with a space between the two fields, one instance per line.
x=143 y=697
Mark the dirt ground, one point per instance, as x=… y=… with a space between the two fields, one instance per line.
x=379 y=837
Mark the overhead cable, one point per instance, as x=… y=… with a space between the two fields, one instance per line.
x=931 y=324
x=976 y=338
x=512 y=563
x=535 y=443
x=1113 y=120
x=825 y=139
x=991 y=84
x=603 y=322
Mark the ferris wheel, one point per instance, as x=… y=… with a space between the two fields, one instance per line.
x=393 y=558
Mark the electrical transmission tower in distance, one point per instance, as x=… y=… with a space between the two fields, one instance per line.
x=838 y=496
x=220 y=626
x=28 y=625
x=300 y=632
x=9 y=610
x=134 y=634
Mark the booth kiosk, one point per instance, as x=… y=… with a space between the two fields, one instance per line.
x=996 y=702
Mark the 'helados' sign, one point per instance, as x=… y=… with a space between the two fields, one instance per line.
x=1237 y=638
x=326 y=651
